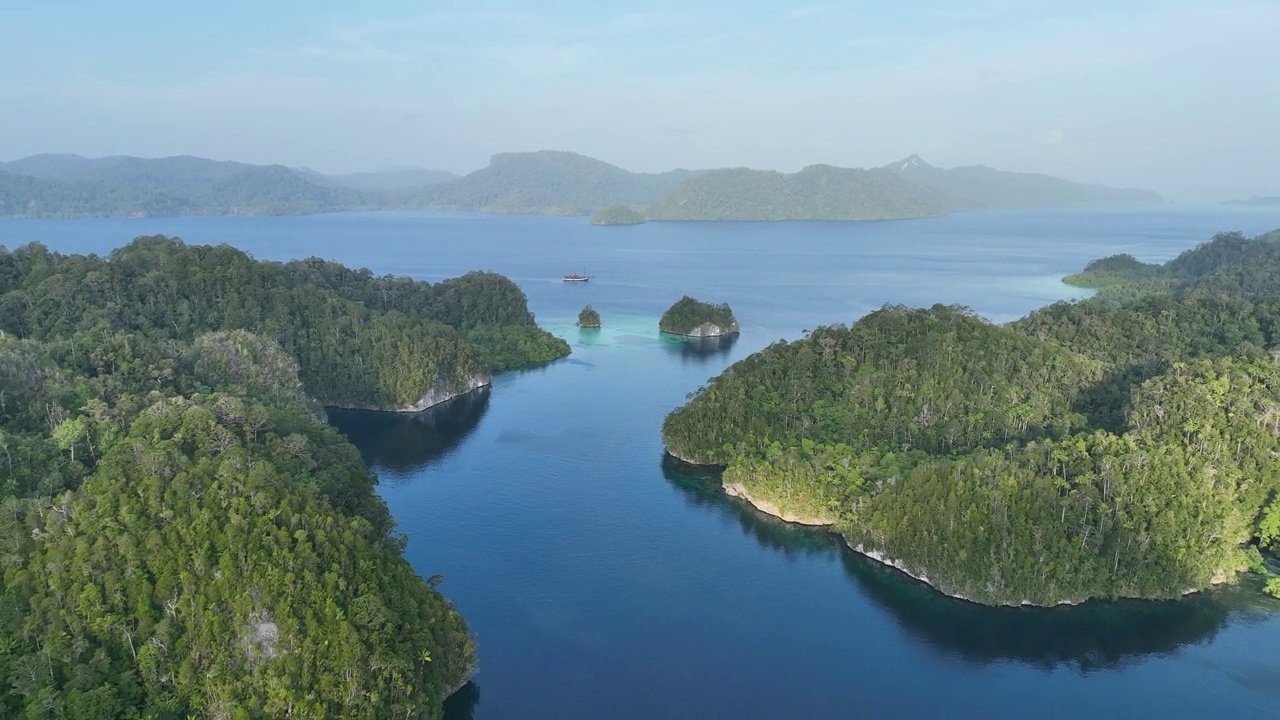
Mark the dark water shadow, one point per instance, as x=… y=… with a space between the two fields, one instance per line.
x=698 y=350
x=700 y=487
x=1088 y=637
x=401 y=444
x=462 y=704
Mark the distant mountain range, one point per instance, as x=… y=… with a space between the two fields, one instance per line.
x=544 y=182
x=1270 y=201
x=908 y=188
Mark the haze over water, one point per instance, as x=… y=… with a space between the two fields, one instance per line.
x=601 y=581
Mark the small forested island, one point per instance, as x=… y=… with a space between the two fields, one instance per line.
x=694 y=318
x=588 y=318
x=184 y=535
x=1125 y=446
x=618 y=215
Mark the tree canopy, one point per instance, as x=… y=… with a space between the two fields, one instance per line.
x=588 y=318
x=687 y=315
x=1122 y=446
x=183 y=535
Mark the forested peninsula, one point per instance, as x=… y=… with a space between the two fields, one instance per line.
x=1125 y=446
x=183 y=535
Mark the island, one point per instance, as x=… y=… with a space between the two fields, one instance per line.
x=697 y=319
x=588 y=318
x=1268 y=201
x=185 y=536
x=542 y=182
x=1124 y=446
x=618 y=215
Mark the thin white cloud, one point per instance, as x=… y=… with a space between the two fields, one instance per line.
x=639 y=22
x=542 y=59
x=808 y=11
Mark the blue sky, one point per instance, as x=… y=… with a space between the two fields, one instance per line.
x=1179 y=96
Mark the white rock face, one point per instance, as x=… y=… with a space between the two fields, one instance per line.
x=439 y=393
x=711 y=330
x=764 y=506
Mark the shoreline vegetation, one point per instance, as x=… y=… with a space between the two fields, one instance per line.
x=1123 y=446
x=589 y=319
x=544 y=182
x=184 y=533
x=692 y=318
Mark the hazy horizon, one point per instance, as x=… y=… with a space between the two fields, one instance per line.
x=1172 y=97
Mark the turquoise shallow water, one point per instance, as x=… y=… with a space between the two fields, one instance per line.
x=604 y=581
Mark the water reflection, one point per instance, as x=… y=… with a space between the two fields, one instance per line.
x=462 y=704
x=701 y=488
x=398 y=444
x=1093 y=636
x=698 y=350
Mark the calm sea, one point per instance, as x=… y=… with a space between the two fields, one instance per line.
x=602 y=582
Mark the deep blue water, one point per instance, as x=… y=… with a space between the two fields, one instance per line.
x=602 y=582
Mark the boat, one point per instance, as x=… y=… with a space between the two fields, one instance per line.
x=575 y=277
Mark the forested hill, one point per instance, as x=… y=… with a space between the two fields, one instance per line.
x=72 y=186
x=548 y=182
x=1231 y=264
x=543 y=182
x=1123 y=446
x=906 y=189
x=818 y=192
x=183 y=536
x=360 y=340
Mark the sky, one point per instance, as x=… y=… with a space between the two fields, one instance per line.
x=1177 y=96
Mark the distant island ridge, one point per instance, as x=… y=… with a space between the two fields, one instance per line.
x=1258 y=201
x=544 y=182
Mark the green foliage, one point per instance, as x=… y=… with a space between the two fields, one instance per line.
x=588 y=318
x=218 y=563
x=618 y=215
x=360 y=340
x=1115 y=270
x=1104 y=448
x=812 y=481
x=687 y=315
x=509 y=346
x=938 y=380
x=179 y=533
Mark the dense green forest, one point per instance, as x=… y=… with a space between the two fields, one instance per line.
x=360 y=340
x=1123 y=446
x=618 y=215
x=182 y=534
x=588 y=318
x=696 y=318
